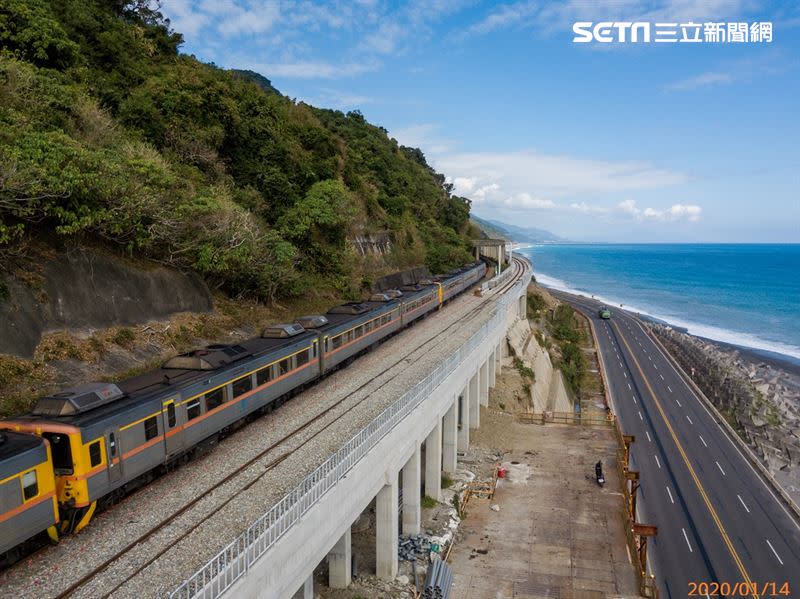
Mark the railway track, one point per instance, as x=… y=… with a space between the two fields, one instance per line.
x=74 y=588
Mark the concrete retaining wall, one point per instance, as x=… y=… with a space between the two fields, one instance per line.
x=84 y=288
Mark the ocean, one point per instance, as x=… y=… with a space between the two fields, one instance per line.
x=746 y=295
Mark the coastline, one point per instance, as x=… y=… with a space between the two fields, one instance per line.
x=766 y=409
x=760 y=350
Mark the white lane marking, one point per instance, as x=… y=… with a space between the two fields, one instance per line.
x=684 y=378
x=659 y=465
x=747 y=509
x=648 y=436
x=656 y=367
x=679 y=403
x=703 y=440
x=720 y=468
x=640 y=416
x=629 y=387
x=625 y=374
x=649 y=358
x=685 y=536
x=620 y=363
x=669 y=388
x=689 y=419
x=662 y=376
x=670 y=495
x=775 y=552
x=634 y=399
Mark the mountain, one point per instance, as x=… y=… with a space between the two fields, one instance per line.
x=516 y=233
x=109 y=135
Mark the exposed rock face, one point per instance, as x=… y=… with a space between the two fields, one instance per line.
x=85 y=288
x=760 y=401
x=380 y=244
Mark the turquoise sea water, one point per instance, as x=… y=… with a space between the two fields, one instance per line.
x=748 y=295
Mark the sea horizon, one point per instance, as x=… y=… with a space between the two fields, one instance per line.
x=742 y=295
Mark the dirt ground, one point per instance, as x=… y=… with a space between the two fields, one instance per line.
x=556 y=533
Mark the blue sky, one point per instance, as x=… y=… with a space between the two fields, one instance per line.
x=607 y=142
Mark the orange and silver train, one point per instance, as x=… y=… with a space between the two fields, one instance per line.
x=86 y=447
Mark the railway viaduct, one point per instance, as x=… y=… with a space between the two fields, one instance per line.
x=277 y=556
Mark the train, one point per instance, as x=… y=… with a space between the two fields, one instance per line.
x=85 y=448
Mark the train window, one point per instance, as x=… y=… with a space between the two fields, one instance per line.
x=215 y=398
x=94 y=453
x=193 y=409
x=62 y=454
x=302 y=357
x=336 y=342
x=368 y=327
x=242 y=386
x=359 y=332
x=112 y=444
x=30 y=487
x=264 y=375
x=171 y=418
x=283 y=367
x=150 y=428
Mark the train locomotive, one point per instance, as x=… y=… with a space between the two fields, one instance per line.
x=87 y=447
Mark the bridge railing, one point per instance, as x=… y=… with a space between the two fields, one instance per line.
x=233 y=562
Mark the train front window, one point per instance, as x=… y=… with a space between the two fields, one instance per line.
x=61 y=452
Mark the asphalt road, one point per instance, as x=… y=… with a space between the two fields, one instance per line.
x=717 y=519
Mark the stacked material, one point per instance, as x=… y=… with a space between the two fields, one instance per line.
x=438 y=581
x=412 y=546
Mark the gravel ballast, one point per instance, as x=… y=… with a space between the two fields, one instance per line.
x=366 y=388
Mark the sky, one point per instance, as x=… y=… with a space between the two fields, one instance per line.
x=617 y=142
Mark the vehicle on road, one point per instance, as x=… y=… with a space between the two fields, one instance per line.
x=604 y=312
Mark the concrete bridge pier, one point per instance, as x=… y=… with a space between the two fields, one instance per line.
x=493 y=368
x=412 y=500
x=463 y=424
x=433 y=462
x=386 y=533
x=450 y=437
x=484 y=382
x=340 y=562
x=474 y=400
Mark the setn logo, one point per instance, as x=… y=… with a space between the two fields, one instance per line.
x=607 y=32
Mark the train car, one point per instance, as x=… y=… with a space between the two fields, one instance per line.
x=460 y=279
x=418 y=301
x=110 y=438
x=28 y=504
x=348 y=329
x=101 y=440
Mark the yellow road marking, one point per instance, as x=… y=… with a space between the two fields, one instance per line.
x=700 y=488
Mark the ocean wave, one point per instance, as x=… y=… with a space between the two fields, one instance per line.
x=708 y=331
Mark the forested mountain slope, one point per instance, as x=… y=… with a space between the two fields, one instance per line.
x=108 y=134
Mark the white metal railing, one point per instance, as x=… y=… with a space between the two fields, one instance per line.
x=225 y=568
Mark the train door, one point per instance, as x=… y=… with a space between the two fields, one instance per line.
x=114 y=453
x=316 y=354
x=173 y=435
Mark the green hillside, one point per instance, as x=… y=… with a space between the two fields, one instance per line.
x=108 y=134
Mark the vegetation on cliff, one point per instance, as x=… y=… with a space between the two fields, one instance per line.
x=108 y=132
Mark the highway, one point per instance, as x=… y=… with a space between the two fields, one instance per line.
x=718 y=520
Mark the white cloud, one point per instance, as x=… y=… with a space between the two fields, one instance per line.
x=331 y=98
x=556 y=17
x=256 y=18
x=703 y=80
x=311 y=69
x=552 y=176
x=690 y=212
x=385 y=40
x=424 y=136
